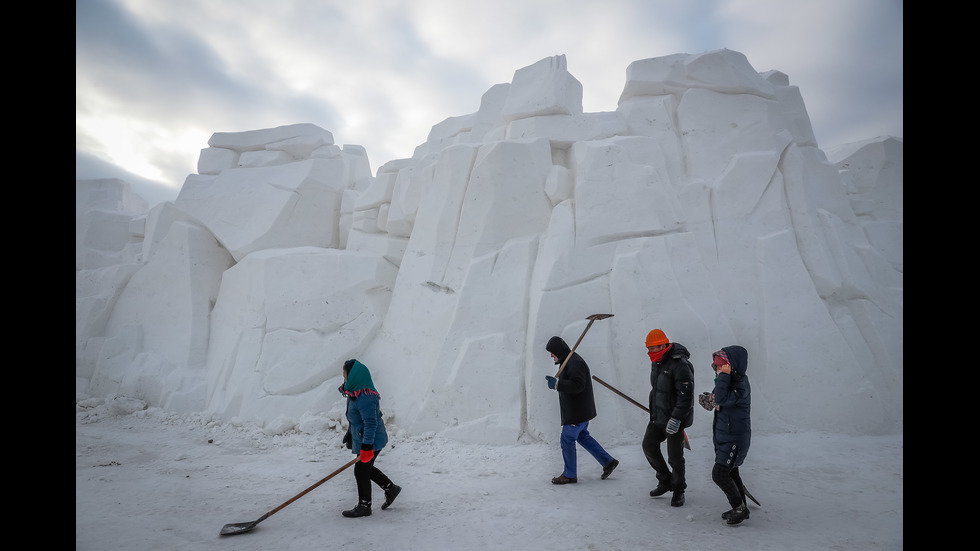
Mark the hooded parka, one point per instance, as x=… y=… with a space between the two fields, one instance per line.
x=732 y=427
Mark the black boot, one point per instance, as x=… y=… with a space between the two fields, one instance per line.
x=677 y=500
x=363 y=509
x=727 y=514
x=391 y=493
x=738 y=514
x=660 y=490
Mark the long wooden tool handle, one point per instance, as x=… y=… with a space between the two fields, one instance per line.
x=630 y=400
x=687 y=443
x=304 y=492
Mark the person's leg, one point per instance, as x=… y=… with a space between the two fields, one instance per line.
x=722 y=476
x=362 y=476
x=379 y=477
x=569 y=435
x=738 y=482
x=593 y=446
x=675 y=457
x=651 y=450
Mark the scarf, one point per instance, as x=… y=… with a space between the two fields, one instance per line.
x=657 y=356
x=358 y=382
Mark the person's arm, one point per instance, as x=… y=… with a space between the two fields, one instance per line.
x=726 y=394
x=573 y=379
x=369 y=415
x=683 y=390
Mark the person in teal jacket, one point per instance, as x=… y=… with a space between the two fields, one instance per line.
x=366 y=436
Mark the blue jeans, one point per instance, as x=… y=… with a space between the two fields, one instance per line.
x=570 y=434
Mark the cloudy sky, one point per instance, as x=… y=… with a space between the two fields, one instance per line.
x=154 y=79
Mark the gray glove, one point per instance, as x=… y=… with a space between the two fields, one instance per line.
x=673 y=425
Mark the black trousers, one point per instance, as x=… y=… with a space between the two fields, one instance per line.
x=730 y=482
x=364 y=474
x=676 y=479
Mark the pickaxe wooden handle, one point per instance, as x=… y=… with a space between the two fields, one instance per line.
x=687 y=444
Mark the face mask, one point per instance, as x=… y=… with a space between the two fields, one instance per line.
x=656 y=356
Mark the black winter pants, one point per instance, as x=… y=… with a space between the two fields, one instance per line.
x=730 y=482
x=364 y=474
x=654 y=436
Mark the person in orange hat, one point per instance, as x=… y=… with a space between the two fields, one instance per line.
x=671 y=411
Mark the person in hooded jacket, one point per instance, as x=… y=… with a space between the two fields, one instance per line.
x=366 y=436
x=576 y=402
x=671 y=411
x=731 y=427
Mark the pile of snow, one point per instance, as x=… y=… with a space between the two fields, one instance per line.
x=702 y=205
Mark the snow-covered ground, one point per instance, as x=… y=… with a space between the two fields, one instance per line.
x=149 y=479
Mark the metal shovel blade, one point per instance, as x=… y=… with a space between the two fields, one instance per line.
x=242 y=527
x=237 y=528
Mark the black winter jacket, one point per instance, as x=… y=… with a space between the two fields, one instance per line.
x=575 y=397
x=672 y=387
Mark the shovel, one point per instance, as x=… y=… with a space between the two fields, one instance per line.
x=242 y=527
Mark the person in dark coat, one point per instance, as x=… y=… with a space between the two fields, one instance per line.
x=732 y=427
x=671 y=411
x=366 y=436
x=577 y=404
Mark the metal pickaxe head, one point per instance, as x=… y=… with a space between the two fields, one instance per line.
x=591 y=319
x=594 y=317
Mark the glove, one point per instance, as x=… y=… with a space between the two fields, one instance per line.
x=707 y=400
x=348 y=439
x=673 y=425
x=367 y=453
x=551 y=381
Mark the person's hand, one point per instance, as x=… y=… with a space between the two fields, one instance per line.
x=348 y=439
x=724 y=369
x=551 y=381
x=367 y=453
x=673 y=425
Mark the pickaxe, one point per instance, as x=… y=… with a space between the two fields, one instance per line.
x=591 y=319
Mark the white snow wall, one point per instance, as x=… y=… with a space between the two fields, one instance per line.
x=702 y=205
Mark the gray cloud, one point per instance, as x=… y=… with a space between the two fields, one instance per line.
x=155 y=80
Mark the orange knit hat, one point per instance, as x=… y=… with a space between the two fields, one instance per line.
x=656 y=338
